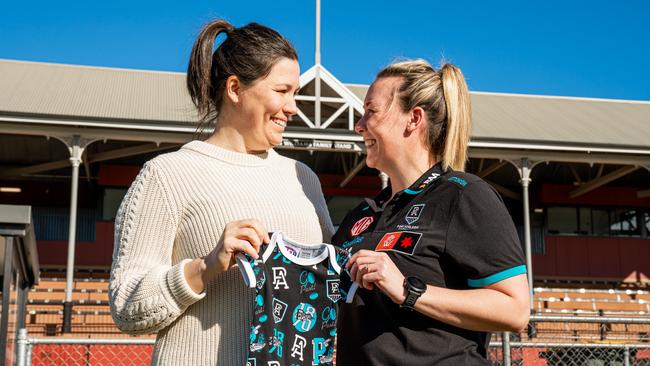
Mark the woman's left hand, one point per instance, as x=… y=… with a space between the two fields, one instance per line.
x=369 y=268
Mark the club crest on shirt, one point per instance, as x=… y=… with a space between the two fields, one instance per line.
x=279 y=309
x=413 y=214
x=333 y=292
x=361 y=225
x=401 y=241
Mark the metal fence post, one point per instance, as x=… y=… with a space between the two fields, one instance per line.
x=626 y=355
x=506 y=348
x=21 y=347
x=30 y=345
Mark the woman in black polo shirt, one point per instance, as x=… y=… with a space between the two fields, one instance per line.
x=435 y=254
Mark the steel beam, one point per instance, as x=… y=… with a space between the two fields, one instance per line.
x=357 y=168
x=505 y=192
x=99 y=157
x=491 y=169
x=598 y=182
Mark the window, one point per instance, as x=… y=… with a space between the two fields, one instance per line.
x=600 y=221
x=623 y=222
x=597 y=221
x=584 y=215
x=562 y=220
x=111 y=202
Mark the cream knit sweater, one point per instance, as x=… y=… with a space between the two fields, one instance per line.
x=175 y=211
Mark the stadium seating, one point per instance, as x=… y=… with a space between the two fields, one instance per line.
x=579 y=302
x=91 y=314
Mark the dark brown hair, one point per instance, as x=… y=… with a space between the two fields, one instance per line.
x=248 y=52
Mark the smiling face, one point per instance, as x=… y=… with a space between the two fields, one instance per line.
x=383 y=125
x=267 y=104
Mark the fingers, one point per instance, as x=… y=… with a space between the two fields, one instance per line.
x=261 y=232
x=251 y=236
x=248 y=231
x=244 y=246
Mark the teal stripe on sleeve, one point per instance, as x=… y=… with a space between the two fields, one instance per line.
x=500 y=276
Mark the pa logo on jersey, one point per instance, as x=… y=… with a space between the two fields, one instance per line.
x=414 y=213
x=333 y=292
x=279 y=309
x=361 y=225
x=401 y=241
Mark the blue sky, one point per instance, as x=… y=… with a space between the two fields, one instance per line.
x=595 y=49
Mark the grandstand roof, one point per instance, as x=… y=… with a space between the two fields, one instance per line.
x=45 y=90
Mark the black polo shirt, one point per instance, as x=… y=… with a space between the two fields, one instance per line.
x=452 y=230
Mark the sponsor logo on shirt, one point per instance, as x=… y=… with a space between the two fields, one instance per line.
x=361 y=225
x=429 y=179
x=351 y=242
x=413 y=214
x=401 y=241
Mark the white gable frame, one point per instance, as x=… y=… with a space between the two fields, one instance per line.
x=348 y=100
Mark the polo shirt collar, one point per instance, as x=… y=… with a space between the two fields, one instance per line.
x=430 y=176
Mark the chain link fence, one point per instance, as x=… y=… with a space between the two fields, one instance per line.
x=536 y=347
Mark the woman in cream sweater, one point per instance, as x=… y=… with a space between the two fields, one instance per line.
x=188 y=212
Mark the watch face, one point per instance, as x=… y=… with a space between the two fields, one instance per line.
x=416 y=284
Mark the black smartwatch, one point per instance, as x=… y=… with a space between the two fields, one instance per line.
x=414 y=287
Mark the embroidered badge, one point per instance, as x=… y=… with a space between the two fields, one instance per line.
x=401 y=241
x=361 y=225
x=414 y=213
x=333 y=292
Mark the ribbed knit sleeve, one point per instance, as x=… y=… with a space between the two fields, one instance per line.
x=147 y=291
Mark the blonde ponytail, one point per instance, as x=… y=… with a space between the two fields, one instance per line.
x=459 y=117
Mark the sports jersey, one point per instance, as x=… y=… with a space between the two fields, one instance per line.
x=298 y=289
x=450 y=229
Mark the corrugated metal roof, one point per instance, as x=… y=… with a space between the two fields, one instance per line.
x=93 y=92
x=563 y=120
x=108 y=93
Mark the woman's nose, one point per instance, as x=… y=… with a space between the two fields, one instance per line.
x=360 y=126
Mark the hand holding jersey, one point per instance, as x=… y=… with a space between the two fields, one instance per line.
x=370 y=268
x=241 y=236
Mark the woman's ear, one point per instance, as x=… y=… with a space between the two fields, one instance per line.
x=416 y=119
x=233 y=88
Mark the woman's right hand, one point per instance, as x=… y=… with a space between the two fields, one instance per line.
x=246 y=236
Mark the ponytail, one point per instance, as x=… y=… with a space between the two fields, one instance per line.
x=459 y=117
x=200 y=70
